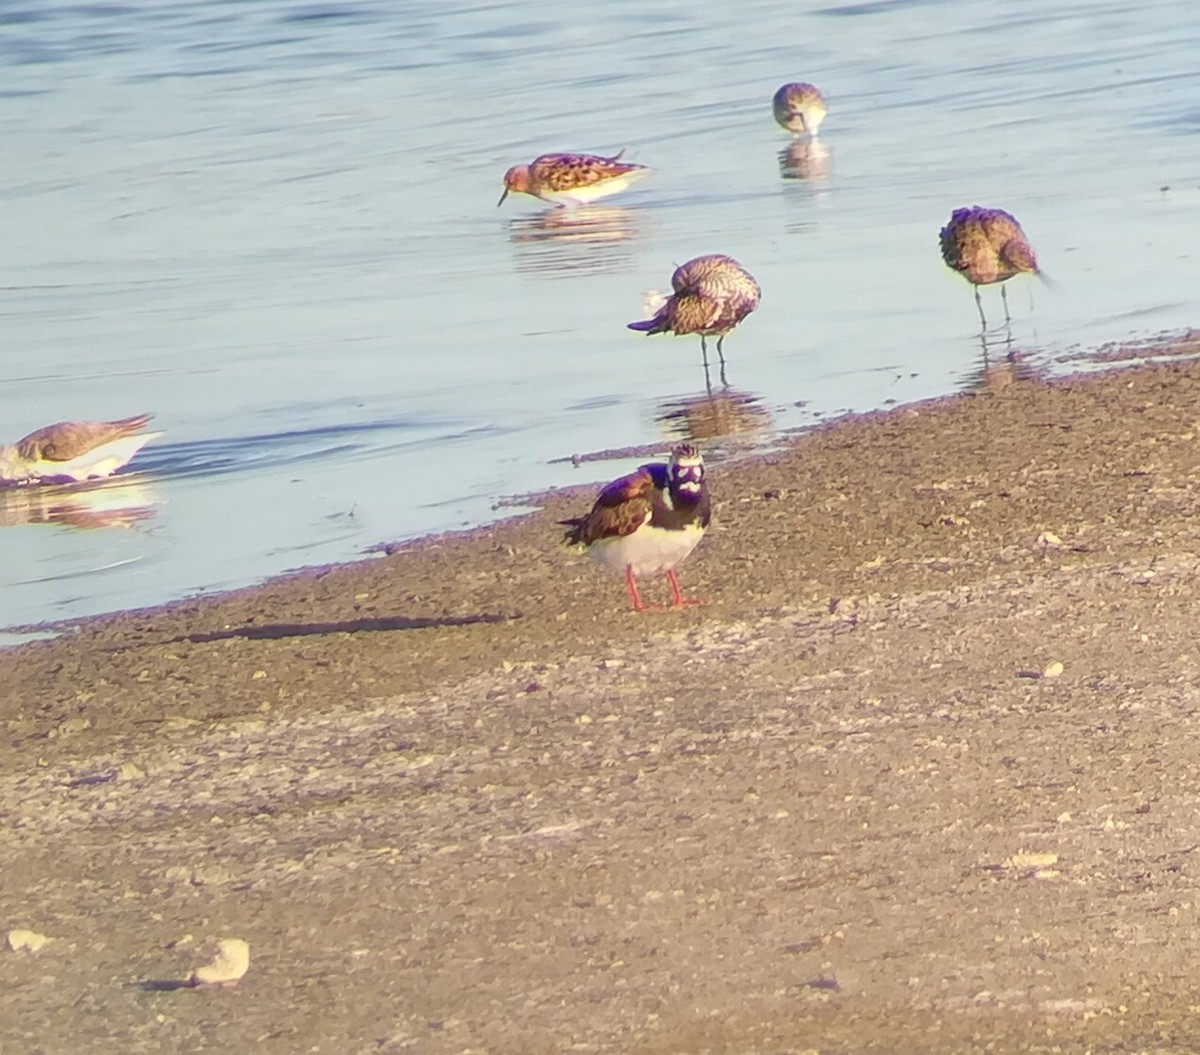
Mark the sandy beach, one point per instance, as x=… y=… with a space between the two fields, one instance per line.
x=920 y=777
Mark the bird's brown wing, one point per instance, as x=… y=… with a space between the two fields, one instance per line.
x=968 y=248
x=958 y=237
x=621 y=509
x=65 y=440
x=692 y=313
x=562 y=172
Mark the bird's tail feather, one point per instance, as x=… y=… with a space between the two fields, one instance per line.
x=658 y=324
x=574 y=537
x=138 y=421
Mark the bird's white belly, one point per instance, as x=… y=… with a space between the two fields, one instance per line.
x=97 y=463
x=585 y=195
x=650 y=550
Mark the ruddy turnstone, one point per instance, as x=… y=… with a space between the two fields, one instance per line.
x=986 y=246
x=646 y=523
x=572 y=179
x=712 y=295
x=800 y=108
x=74 y=450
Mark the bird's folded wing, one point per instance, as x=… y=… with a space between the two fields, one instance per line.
x=66 y=440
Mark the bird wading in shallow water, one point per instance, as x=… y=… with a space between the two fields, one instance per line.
x=800 y=108
x=74 y=450
x=712 y=295
x=565 y=180
x=648 y=522
x=986 y=246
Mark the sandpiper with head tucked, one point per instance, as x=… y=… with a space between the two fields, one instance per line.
x=800 y=108
x=712 y=295
x=74 y=450
x=648 y=522
x=566 y=180
x=986 y=246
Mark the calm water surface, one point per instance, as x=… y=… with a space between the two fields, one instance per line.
x=274 y=224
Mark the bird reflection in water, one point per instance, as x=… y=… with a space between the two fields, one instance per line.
x=573 y=241
x=805 y=159
x=999 y=365
x=124 y=503
x=724 y=413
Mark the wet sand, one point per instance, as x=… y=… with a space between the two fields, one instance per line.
x=461 y=798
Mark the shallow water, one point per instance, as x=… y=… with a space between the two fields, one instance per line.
x=274 y=224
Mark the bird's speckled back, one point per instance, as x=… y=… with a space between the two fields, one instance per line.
x=986 y=245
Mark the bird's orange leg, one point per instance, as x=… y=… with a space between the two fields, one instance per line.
x=677 y=597
x=638 y=604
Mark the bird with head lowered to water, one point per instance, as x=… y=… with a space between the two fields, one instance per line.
x=74 y=450
x=987 y=246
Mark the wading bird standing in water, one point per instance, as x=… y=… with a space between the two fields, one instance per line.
x=648 y=522
x=74 y=450
x=712 y=295
x=565 y=180
x=800 y=108
x=986 y=246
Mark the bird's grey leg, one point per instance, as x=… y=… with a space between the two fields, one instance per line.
x=1004 y=297
x=979 y=305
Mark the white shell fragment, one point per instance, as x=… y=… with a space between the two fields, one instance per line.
x=233 y=961
x=25 y=940
x=1029 y=859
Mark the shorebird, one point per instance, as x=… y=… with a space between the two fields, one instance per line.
x=712 y=295
x=800 y=108
x=648 y=522
x=74 y=450
x=572 y=179
x=986 y=246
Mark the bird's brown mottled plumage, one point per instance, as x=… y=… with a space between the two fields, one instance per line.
x=620 y=509
x=66 y=440
x=574 y=178
x=986 y=246
x=799 y=107
x=713 y=294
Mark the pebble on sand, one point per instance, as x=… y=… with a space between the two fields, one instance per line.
x=1030 y=859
